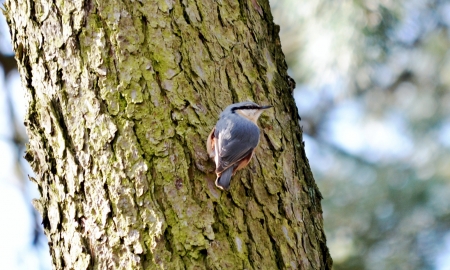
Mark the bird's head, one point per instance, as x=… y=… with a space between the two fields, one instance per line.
x=248 y=109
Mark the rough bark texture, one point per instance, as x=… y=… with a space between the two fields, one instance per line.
x=122 y=96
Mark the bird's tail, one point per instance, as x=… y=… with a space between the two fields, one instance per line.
x=223 y=181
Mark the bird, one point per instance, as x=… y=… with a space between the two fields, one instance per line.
x=232 y=141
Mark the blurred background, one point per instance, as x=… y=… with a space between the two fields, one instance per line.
x=23 y=244
x=373 y=91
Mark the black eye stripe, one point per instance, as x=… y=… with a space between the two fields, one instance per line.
x=249 y=107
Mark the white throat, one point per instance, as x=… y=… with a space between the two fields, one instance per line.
x=251 y=115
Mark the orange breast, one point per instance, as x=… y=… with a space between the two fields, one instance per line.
x=244 y=162
x=210 y=143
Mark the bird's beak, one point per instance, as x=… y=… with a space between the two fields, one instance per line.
x=266 y=107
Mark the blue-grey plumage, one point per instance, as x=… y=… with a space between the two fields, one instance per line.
x=233 y=140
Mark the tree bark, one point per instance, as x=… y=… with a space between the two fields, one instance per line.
x=122 y=96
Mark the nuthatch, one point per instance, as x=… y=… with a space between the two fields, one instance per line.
x=233 y=140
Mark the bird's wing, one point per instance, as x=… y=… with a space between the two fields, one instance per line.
x=235 y=140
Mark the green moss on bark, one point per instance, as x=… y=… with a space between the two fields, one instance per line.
x=122 y=97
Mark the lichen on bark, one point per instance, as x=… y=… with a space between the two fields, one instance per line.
x=122 y=95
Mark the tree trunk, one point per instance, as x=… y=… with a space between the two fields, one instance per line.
x=122 y=96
